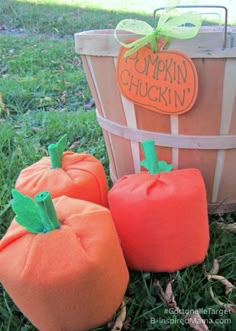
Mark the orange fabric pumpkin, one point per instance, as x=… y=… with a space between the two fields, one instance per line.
x=79 y=176
x=161 y=219
x=71 y=278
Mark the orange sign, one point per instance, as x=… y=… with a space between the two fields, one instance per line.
x=165 y=82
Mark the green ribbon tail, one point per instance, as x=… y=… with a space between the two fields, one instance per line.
x=139 y=43
x=151 y=162
x=153 y=44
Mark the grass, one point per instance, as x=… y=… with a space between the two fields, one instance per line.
x=43 y=90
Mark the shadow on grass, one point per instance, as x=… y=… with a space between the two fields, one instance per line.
x=39 y=65
x=59 y=20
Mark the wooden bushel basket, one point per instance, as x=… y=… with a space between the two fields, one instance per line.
x=203 y=138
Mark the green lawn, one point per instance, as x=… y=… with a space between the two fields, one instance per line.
x=43 y=93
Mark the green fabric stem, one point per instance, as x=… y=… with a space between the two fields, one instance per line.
x=55 y=152
x=35 y=215
x=47 y=211
x=54 y=156
x=151 y=162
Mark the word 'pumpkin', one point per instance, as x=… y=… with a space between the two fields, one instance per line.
x=161 y=217
x=65 y=270
x=164 y=82
x=79 y=176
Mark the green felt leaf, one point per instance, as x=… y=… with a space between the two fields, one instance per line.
x=56 y=150
x=164 y=166
x=156 y=167
x=27 y=212
x=61 y=144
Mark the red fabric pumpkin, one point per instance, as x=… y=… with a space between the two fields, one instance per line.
x=161 y=218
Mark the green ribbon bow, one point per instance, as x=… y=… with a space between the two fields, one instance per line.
x=168 y=26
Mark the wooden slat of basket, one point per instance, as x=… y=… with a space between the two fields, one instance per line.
x=204 y=45
x=204 y=118
x=110 y=99
x=228 y=183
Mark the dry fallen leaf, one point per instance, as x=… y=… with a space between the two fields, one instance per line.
x=228 y=306
x=167 y=296
x=63 y=97
x=7 y=111
x=36 y=129
x=228 y=287
x=196 y=322
x=3 y=69
x=169 y=293
x=127 y=322
x=194 y=318
x=215 y=268
x=213 y=275
x=3 y=108
x=229 y=227
x=76 y=62
x=74 y=144
x=89 y=105
x=120 y=319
